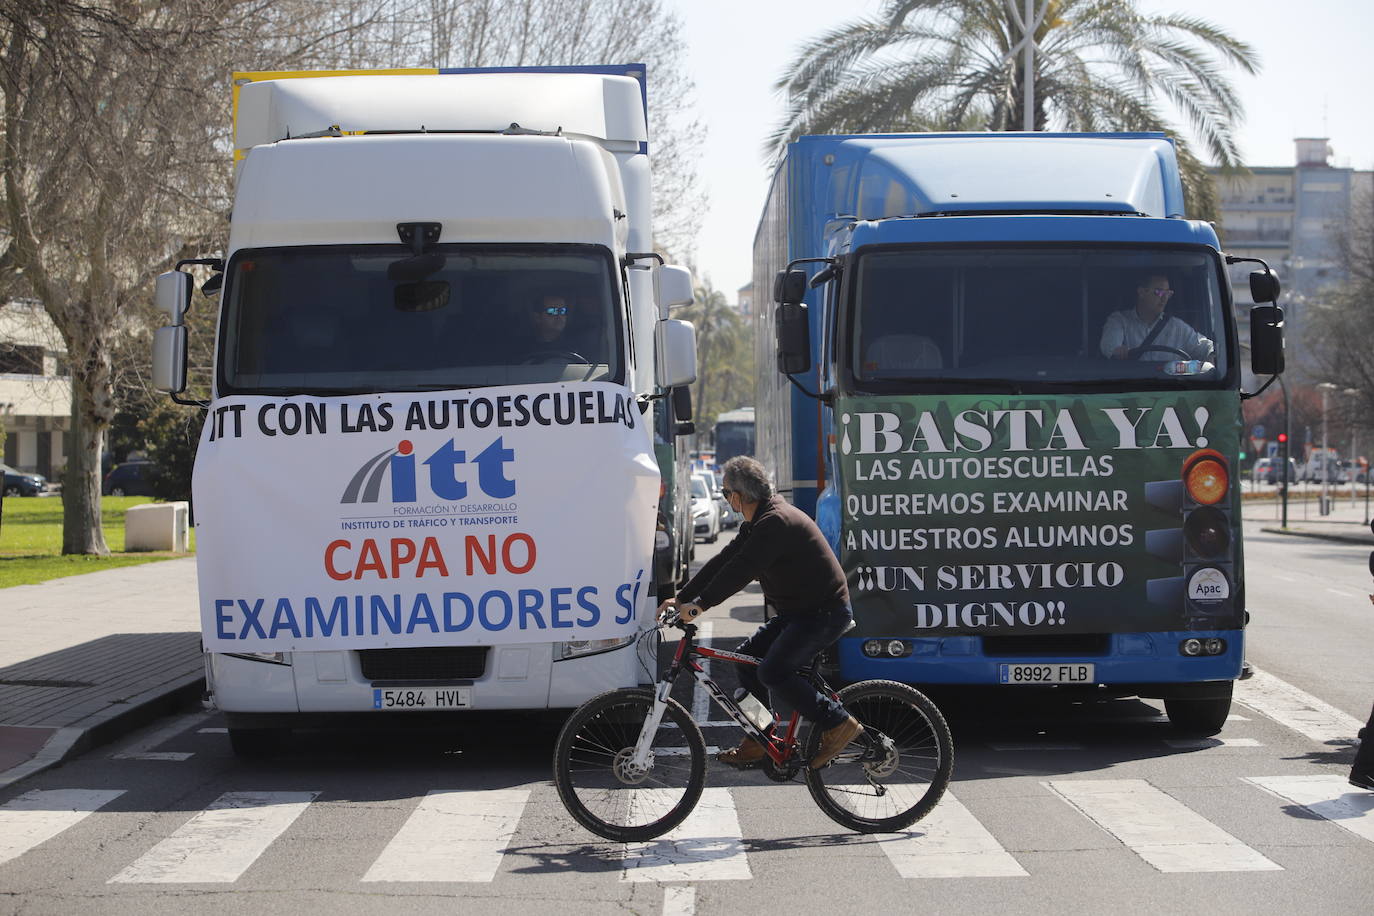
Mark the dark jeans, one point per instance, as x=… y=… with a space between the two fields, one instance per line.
x=1364 y=757
x=786 y=643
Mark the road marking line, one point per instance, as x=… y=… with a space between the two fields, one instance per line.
x=701 y=700
x=212 y=731
x=1337 y=591
x=679 y=900
x=707 y=846
x=36 y=817
x=1195 y=743
x=453 y=835
x=143 y=748
x=1330 y=797
x=1158 y=827
x=949 y=843
x=221 y=842
x=1297 y=709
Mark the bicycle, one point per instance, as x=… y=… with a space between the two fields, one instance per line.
x=630 y=764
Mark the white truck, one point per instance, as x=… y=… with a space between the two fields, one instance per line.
x=426 y=481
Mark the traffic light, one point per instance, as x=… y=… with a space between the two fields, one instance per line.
x=1283 y=437
x=1206 y=594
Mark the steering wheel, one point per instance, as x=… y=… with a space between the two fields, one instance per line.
x=546 y=356
x=1174 y=350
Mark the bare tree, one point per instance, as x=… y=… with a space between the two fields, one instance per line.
x=1340 y=318
x=114 y=160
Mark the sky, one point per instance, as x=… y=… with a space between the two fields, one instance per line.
x=1316 y=80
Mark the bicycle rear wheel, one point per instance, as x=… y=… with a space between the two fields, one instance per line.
x=892 y=775
x=599 y=788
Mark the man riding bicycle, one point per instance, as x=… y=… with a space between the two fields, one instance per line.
x=782 y=548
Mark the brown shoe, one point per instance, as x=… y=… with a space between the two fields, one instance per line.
x=834 y=740
x=749 y=754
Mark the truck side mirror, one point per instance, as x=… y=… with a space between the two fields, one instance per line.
x=1266 y=337
x=789 y=286
x=1264 y=286
x=674 y=287
x=676 y=344
x=173 y=294
x=794 y=335
x=169 y=357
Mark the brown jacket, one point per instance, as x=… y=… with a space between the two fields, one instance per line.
x=784 y=550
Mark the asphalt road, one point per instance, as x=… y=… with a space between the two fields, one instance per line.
x=1065 y=809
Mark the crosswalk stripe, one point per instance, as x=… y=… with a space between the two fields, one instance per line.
x=221 y=842
x=1331 y=797
x=1158 y=827
x=1297 y=709
x=453 y=835
x=36 y=817
x=1188 y=744
x=707 y=846
x=679 y=900
x=949 y=843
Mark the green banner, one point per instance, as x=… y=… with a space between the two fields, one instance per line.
x=1007 y=515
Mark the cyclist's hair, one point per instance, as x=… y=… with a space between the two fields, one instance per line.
x=748 y=477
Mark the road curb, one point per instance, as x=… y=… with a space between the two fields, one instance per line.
x=72 y=741
x=1322 y=536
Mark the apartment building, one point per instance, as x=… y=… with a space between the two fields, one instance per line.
x=1290 y=217
x=35 y=390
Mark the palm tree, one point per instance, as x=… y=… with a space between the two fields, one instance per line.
x=1100 y=65
x=724 y=354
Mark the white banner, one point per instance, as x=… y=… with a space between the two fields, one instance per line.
x=474 y=517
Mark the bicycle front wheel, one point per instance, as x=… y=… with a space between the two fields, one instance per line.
x=893 y=774
x=593 y=767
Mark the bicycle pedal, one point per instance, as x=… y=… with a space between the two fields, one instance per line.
x=740 y=765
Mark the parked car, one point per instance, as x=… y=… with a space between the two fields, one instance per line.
x=1267 y=471
x=23 y=483
x=705 y=510
x=132 y=478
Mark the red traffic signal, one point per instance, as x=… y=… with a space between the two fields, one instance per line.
x=1283 y=437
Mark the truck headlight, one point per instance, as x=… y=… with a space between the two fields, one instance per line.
x=578 y=648
x=273 y=658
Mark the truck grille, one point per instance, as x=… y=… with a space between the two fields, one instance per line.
x=1069 y=645
x=442 y=663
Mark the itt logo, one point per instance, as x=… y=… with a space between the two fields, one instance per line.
x=366 y=485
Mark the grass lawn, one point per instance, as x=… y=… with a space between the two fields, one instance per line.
x=31 y=540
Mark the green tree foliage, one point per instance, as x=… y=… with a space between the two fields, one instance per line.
x=725 y=356
x=170 y=434
x=1100 y=65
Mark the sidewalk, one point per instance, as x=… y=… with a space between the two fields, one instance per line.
x=86 y=658
x=1345 y=523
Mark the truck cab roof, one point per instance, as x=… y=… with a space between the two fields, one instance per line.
x=877 y=176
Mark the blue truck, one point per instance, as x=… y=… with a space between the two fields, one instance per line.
x=1008 y=388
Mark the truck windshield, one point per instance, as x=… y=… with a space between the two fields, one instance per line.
x=337 y=320
x=1036 y=317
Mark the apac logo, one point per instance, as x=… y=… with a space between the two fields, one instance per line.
x=443 y=464
x=1208 y=585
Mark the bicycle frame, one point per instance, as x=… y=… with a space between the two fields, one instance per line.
x=779 y=749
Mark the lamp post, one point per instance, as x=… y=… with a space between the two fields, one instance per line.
x=1353 y=393
x=1325 y=387
x=1284 y=457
